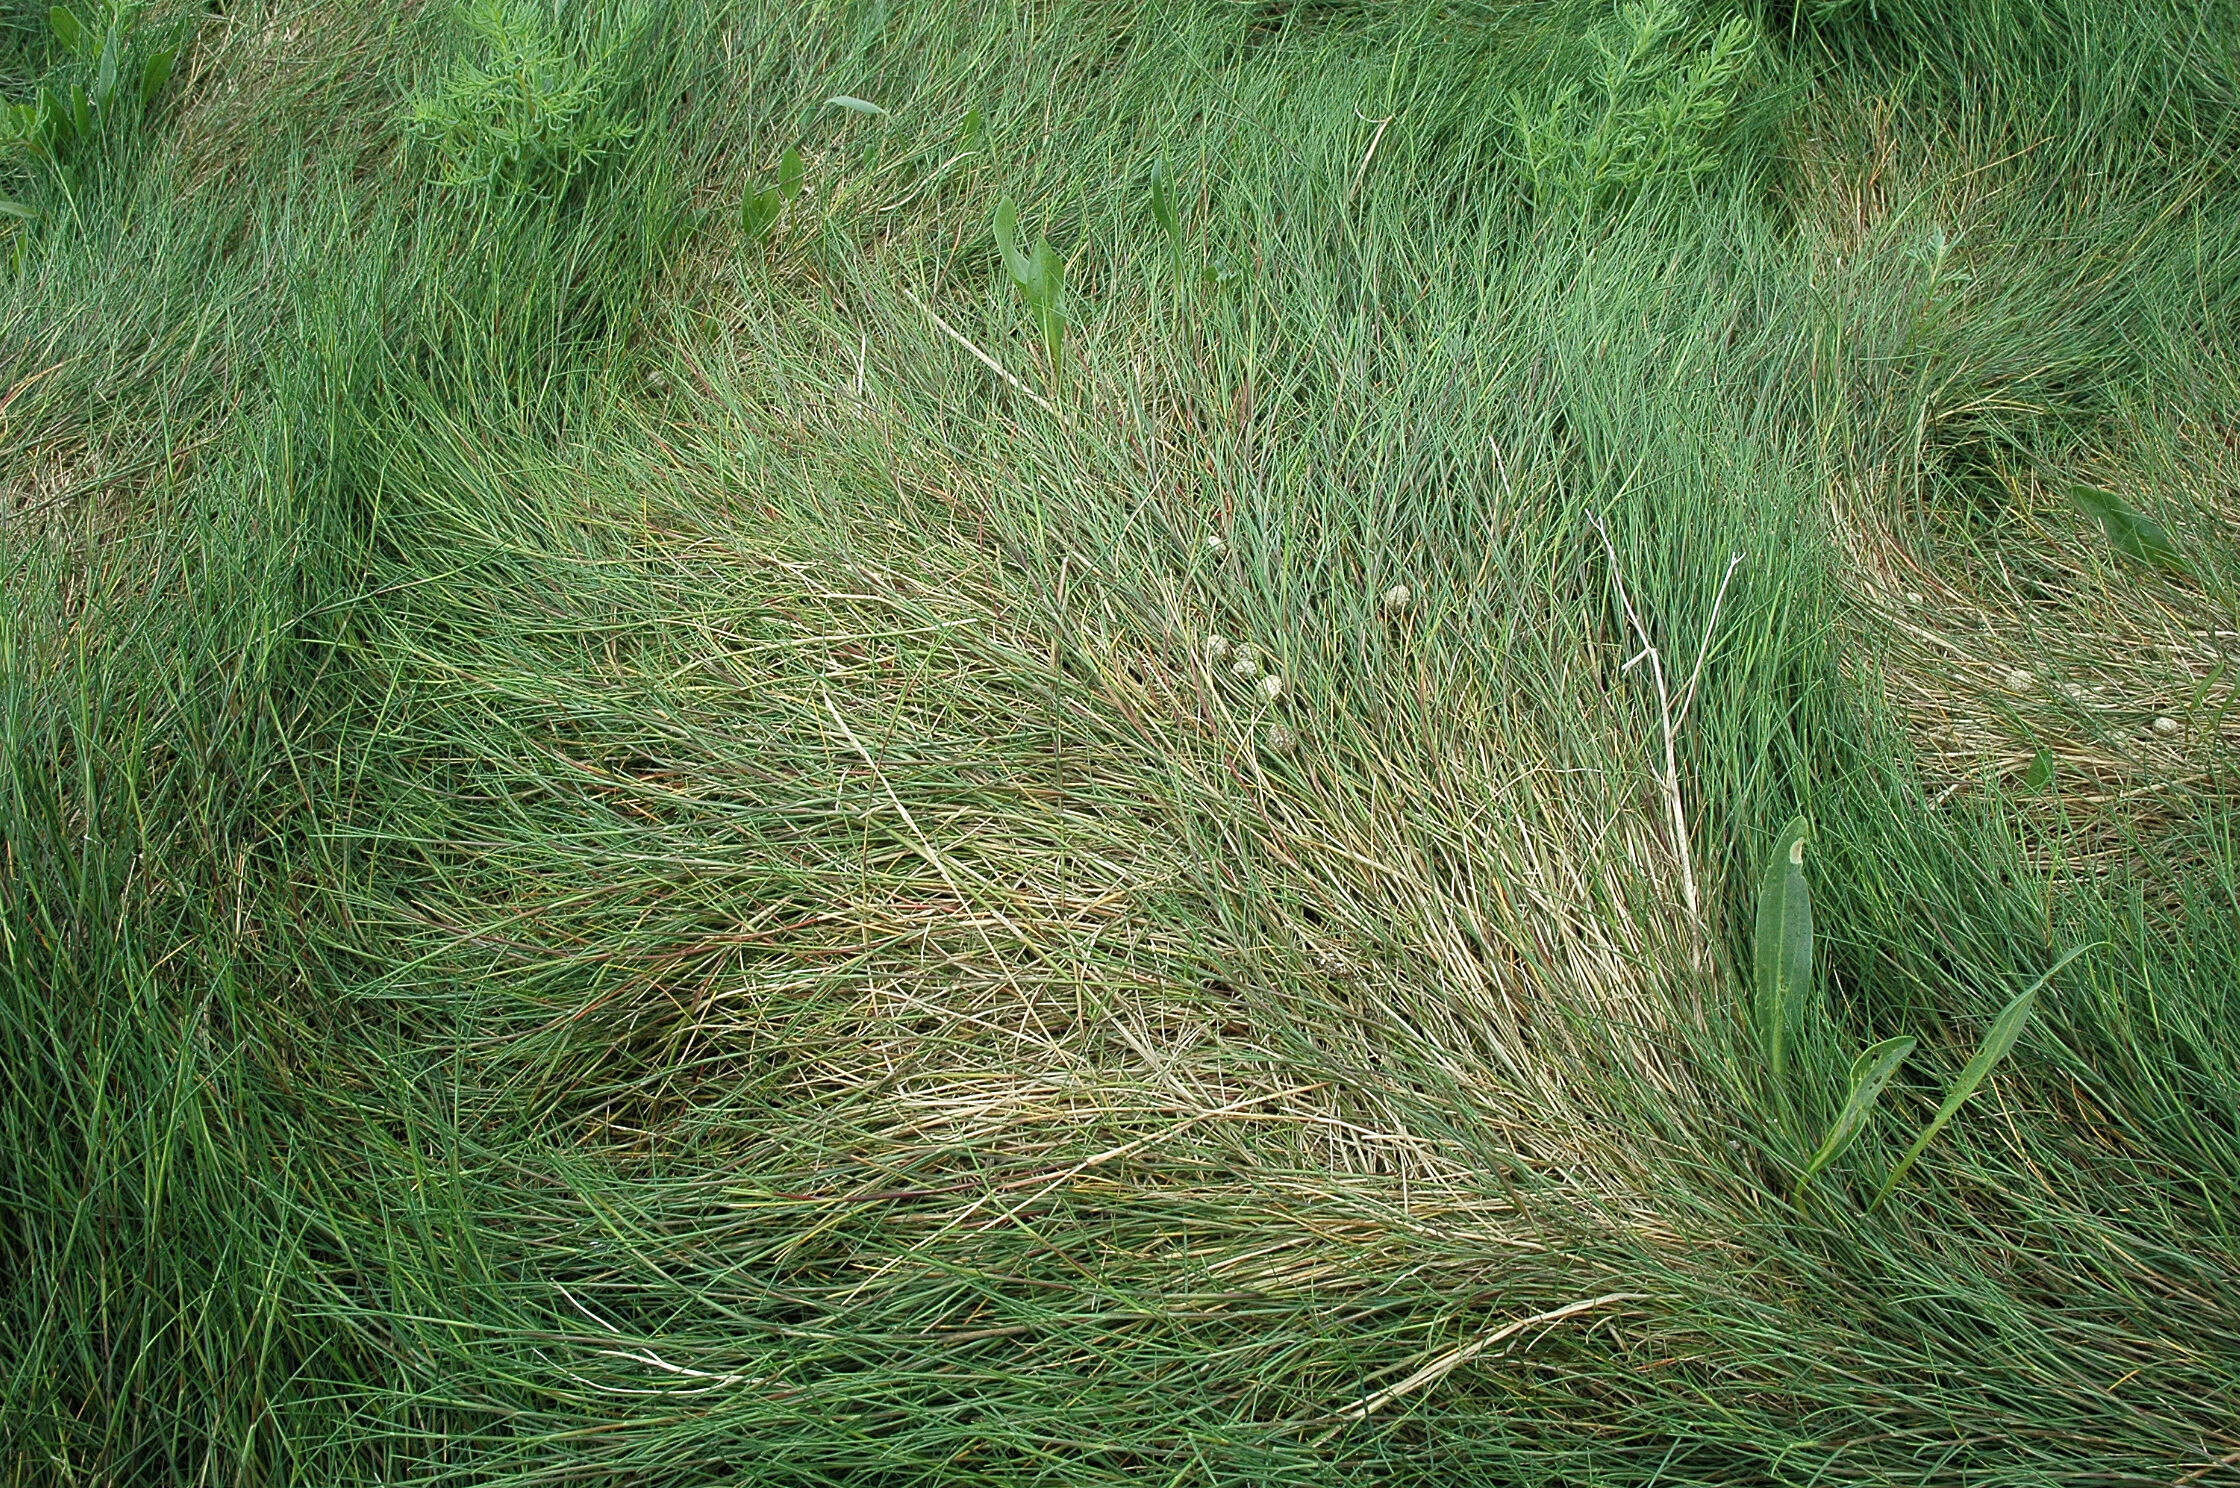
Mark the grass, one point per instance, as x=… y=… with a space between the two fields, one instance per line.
x=625 y=861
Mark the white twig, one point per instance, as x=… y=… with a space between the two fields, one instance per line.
x=1455 y=1358
x=1703 y=652
x=1665 y=716
x=990 y=362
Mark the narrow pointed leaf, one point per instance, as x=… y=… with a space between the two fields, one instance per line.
x=1997 y=1043
x=1017 y=263
x=1162 y=203
x=156 y=73
x=67 y=29
x=856 y=105
x=18 y=210
x=1782 y=953
x=1870 y=1074
x=1049 y=273
x=2130 y=533
x=789 y=174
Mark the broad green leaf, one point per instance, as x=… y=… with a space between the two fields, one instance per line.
x=1007 y=242
x=81 y=113
x=2040 y=774
x=856 y=105
x=1870 y=1073
x=789 y=174
x=156 y=73
x=759 y=213
x=976 y=131
x=2005 y=1029
x=1162 y=203
x=1048 y=286
x=105 y=73
x=1782 y=953
x=2129 y=533
x=1049 y=273
x=67 y=30
x=18 y=210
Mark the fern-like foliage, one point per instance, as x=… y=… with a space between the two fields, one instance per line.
x=1654 y=109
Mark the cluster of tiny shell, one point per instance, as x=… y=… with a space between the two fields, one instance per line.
x=1249 y=664
x=2020 y=681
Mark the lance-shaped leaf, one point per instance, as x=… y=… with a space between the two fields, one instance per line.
x=2130 y=533
x=2005 y=1030
x=1162 y=203
x=1870 y=1074
x=1782 y=986
x=1007 y=242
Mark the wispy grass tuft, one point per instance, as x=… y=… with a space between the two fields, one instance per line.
x=627 y=856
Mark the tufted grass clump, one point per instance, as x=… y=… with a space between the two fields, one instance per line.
x=633 y=849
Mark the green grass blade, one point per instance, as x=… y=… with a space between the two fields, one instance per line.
x=1870 y=1073
x=2005 y=1030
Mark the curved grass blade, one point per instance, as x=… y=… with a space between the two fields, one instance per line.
x=1870 y=1073
x=2005 y=1030
x=1783 y=948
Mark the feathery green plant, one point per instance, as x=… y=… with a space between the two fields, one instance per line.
x=1653 y=110
x=527 y=112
